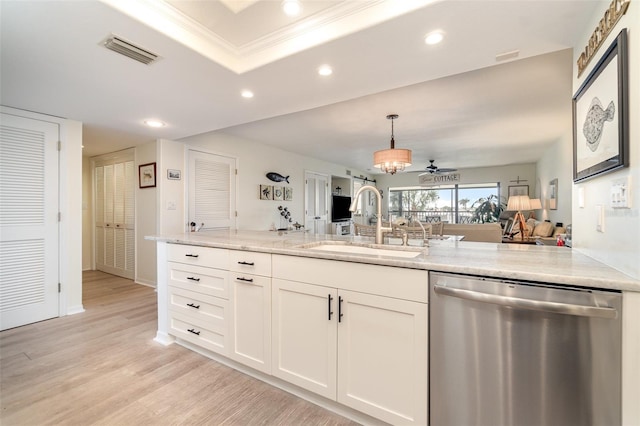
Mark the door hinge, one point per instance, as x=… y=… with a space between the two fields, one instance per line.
x=236 y=172
x=59 y=287
x=59 y=145
x=236 y=213
x=59 y=216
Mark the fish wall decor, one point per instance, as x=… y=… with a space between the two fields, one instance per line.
x=594 y=123
x=277 y=177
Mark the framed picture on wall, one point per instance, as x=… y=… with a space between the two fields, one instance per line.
x=518 y=190
x=553 y=195
x=601 y=115
x=147 y=175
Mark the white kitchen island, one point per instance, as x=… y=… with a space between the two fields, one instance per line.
x=347 y=330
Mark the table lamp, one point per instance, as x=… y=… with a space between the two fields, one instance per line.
x=535 y=204
x=518 y=203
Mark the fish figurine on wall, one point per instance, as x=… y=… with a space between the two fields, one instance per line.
x=594 y=123
x=277 y=177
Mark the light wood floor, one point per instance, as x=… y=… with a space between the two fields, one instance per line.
x=102 y=367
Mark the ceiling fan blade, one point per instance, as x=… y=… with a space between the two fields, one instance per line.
x=447 y=170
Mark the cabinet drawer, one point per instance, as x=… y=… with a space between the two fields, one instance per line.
x=239 y=277
x=209 y=335
x=209 y=281
x=400 y=283
x=210 y=309
x=250 y=262
x=202 y=256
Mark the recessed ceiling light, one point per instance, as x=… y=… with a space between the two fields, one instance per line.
x=247 y=94
x=154 y=123
x=325 y=70
x=291 y=7
x=434 y=37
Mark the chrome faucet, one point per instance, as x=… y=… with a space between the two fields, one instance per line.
x=379 y=227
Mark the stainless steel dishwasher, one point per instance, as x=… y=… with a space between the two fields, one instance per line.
x=505 y=352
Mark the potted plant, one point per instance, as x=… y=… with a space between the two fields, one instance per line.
x=487 y=210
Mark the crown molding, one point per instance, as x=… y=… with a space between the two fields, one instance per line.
x=338 y=21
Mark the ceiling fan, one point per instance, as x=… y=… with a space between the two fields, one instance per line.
x=432 y=169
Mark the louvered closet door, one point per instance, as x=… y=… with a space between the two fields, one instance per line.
x=115 y=231
x=212 y=190
x=28 y=221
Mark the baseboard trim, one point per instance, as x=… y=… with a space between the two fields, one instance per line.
x=75 y=310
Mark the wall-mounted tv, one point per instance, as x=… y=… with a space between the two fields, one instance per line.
x=340 y=208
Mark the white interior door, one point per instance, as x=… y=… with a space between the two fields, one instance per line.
x=28 y=221
x=316 y=202
x=212 y=190
x=115 y=180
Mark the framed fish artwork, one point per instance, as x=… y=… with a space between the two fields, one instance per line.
x=601 y=115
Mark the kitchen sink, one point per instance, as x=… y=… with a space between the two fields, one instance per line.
x=345 y=247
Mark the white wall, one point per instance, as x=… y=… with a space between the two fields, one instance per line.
x=146 y=218
x=255 y=160
x=171 y=156
x=557 y=163
x=619 y=245
x=87 y=215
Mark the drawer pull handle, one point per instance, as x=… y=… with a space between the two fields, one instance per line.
x=246 y=263
x=193 y=306
x=329 y=299
x=340 y=299
x=249 y=280
x=191 y=255
x=191 y=330
x=193 y=279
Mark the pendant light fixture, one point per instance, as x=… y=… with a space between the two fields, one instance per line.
x=392 y=160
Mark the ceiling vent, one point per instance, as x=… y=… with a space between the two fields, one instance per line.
x=130 y=50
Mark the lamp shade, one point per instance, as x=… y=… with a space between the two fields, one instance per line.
x=392 y=160
x=535 y=203
x=519 y=203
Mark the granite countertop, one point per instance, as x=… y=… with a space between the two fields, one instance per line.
x=549 y=264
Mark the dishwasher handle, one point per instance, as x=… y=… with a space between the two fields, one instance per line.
x=534 y=305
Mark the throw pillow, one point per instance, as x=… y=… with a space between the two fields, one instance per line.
x=543 y=229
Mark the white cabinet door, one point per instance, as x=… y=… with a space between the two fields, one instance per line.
x=382 y=357
x=304 y=336
x=251 y=320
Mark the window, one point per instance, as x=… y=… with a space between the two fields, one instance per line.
x=451 y=203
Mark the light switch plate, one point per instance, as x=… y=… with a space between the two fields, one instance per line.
x=171 y=205
x=621 y=193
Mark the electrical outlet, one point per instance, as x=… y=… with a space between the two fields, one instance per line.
x=600 y=218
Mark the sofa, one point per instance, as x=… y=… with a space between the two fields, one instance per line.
x=478 y=232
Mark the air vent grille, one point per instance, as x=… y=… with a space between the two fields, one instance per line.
x=130 y=50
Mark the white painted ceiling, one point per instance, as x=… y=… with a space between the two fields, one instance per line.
x=456 y=103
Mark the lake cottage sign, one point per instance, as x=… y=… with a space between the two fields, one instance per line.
x=429 y=179
x=616 y=9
